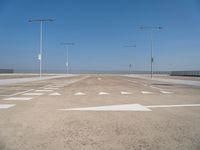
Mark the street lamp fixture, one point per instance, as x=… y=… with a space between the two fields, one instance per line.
x=151 y=28
x=41 y=36
x=67 y=60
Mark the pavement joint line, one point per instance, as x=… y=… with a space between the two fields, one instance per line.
x=18 y=98
x=5 y=106
x=34 y=94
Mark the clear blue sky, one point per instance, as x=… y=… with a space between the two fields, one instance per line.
x=100 y=28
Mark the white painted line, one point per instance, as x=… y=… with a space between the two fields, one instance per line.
x=170 y=106
x=125 y=93
x=125 y=107
x=55 y=94
x=34 y=94
x=103 y=93
x=5 y=106
x=132 y=81
x=156 y=88
x=43 y=90
x=99 y=79
x=57 y=86
x=18 y=93
x=18 y=98
x=166 y=92
x=146 y=92
x=51 y=88
x=79 y=93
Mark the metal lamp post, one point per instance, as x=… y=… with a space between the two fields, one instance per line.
x=41 y=39
x=151 y=45
x=129 y=46
x=67 y=60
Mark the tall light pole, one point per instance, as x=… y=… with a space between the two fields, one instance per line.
x=41 y=40
x=129 y=46
x=151 y=41
x=67 y=60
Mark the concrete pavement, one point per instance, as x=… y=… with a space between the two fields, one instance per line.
x=124 y=113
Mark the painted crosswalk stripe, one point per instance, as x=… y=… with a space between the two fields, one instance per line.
x=33 y=94
x=103 y=93
x=125 y=93
x=18 y=98
x=79 y=93
x=146 y=92
x=166 y=92
x=5 y=106
x=55 y=94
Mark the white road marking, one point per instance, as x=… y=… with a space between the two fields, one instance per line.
x=156 y=88
x=125 y=93
x=43 y=90
x=132 y=81
x=146 y=92
x=51 y=88
x=18 y=98
x=125 y=107
x=103 y=93
x=79 y=93
x=55 y=94
x=166 y=92
x=170 y=106
x=5 y=106
x=161 y=90
x=56 y=86
x=99 y=78
x=34 y=94
x=18 y=93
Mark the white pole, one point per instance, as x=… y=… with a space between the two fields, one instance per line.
x=67 y=64
x=40 y=49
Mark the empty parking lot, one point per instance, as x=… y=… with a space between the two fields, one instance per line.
x=99 y=112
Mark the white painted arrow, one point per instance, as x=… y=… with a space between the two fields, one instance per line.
x=103 y=93
x=125 y=107
x=5 y=106
x=79 y=93
x=55 y=94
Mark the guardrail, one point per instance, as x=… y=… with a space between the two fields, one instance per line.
x=185 y=73
x=6 y=70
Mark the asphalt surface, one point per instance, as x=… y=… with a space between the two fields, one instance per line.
x=133 y=114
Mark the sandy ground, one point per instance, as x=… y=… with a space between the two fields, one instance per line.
x=40 y=124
